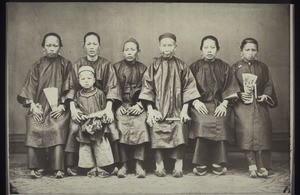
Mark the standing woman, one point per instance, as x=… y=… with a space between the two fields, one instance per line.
x=47 y=127
x=106 y=80
x=211 y=113
x=131 y=118
x=252 y=119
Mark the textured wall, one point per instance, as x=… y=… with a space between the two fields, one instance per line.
x=116 y=22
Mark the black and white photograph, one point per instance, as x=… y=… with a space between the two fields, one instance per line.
x=149 y=98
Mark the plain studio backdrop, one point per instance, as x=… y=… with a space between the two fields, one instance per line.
x=27 y=23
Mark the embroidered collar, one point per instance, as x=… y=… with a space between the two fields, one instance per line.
x=88 y=93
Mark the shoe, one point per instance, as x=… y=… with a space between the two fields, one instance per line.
x=252 y=174
x=73 y=171
x=141 y=174
x=200 y=171
x=59 y=174
x=92 y=173
x=219 y=170
x=176 y=173
x=102 y=173
x=122 y=173
x=262 y=172
x=115 y=171
x=160 y=173
x=36 y=174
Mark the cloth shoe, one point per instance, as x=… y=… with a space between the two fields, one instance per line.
x=141 y=173
x=36 y=174
x=59 y=174
x=160 y=173
x=219 y=170
x=176 y=173
x=200 y=171
x=73 y=171
x=262 y=172
x=122 y=172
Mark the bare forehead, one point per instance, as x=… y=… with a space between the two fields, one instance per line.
x=167 y=41
x=91 y=38
x=250 y=45
x=209 y=42
x=130 y=44
x=51 y=39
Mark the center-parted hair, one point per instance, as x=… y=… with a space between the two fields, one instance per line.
x=89 y=34
x=52 y=34
x=249 y=40
x=212 y=38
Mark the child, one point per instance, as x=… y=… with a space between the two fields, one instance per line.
x=211 y=115
x=46 y=126
x=167 y=88
x=131 y=118
x=106 y=80
x=252 y=119
x=94 y=150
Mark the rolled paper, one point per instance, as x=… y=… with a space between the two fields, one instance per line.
x=51 y=94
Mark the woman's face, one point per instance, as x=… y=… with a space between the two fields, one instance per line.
x=52 y=46
x=91 y=45
x=249 y=51
x=167 y=47
x=209 y=49
x=130 y=51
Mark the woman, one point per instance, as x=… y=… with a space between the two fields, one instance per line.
x=106 y=80
x=47 y=125
x=252 y=120
x=131 y=118
x=211 y=124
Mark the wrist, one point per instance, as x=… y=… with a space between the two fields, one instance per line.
x=195 y=101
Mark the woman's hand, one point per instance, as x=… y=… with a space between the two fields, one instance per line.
x=221 y=110
x=75 y=113
x=57 y=112
x=184 y=117
x=108 y=116
x=262 y=98
x=37 y=112
x=121 y=111
x=135 y=110
x=200 y=107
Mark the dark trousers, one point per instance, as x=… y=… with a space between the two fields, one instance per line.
x=128 y=152
x=209 y=152
x=174 y=153
x=262 y=158
x=41 y=158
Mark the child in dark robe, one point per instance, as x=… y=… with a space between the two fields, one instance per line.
x=252 y=119
x=94 y=149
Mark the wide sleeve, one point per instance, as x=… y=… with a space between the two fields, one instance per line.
x=29 y=88
x=111 y=83
x=189 y=85
x=69 y=83
x=230 y=86
x=147 y=91
x=269 y=89
x=137 y=90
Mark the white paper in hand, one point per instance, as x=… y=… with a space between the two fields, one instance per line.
x=51 y=94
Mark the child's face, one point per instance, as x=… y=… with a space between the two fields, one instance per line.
x=91 y=45
x=86 y=79
x=167 y=47
x=130 y=51
x=51 y=46
x=249 y=51
x=209 y=49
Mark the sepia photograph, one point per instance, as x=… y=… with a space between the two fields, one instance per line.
x=149 y=98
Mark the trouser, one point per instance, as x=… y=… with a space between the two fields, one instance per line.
x=128 y=152
x=174 y=153
x=72 y=146
x=41 y=158
x=261 y=158
x=210 y=152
